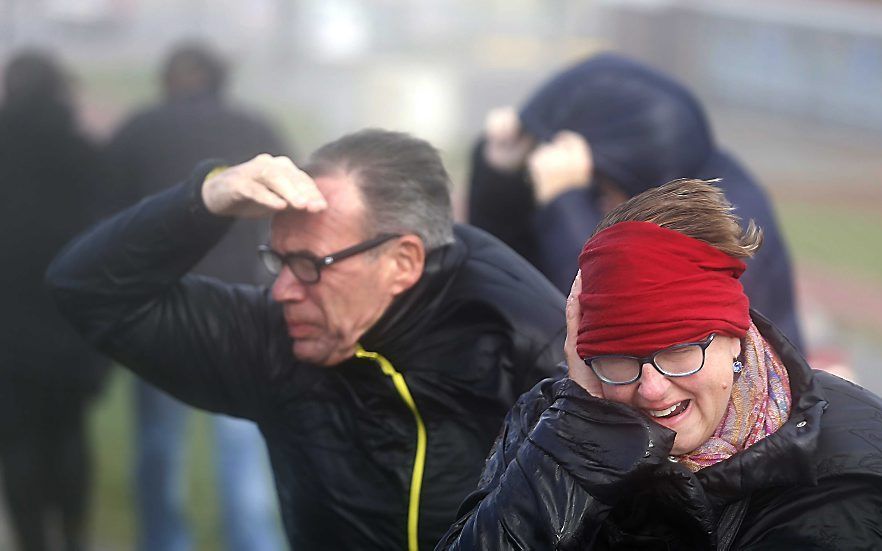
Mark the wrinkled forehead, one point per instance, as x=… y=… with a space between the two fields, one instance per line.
x=343 y=222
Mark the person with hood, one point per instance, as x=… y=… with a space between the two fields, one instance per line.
x=54 y=185
x=380 y=364
x=602 y=131
x=195 y=121
x=688 y=420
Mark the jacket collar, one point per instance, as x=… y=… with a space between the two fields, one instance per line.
x=412 y=311
x=784 y=458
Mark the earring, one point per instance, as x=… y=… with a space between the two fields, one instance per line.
x=737 y=366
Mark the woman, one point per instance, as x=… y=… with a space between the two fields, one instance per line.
x=687 y=421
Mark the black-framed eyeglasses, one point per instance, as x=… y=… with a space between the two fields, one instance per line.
x=307 y=267
x=679 y=360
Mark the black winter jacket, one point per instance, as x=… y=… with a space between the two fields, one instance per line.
x=480 y=328
x=571 y=471
x=54 y=186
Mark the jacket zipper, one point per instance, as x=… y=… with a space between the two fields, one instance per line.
x=730 y=523
x=419 y=462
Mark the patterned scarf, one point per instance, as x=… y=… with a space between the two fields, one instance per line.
x=759 y=405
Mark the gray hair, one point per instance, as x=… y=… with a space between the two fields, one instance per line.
x=401 y=178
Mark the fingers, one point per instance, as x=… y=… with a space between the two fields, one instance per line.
x=506 y=144
x=560 y=165
x=261 y=187
x=262 y=196
x=578 y=371
x=574 y=309
x=573 y=314
x=281 y=176
x=502 y=124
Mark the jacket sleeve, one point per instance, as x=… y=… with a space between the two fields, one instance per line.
x=544 y=362
x=562 y=227
x=556 y=470
x=502 y=204
x=122 y=284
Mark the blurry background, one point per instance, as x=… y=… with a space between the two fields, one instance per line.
x=794 y=87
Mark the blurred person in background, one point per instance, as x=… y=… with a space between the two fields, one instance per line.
x=594 y=135
x=379 y=365
x=153 y=148
x=688 y=420
x=53 y=187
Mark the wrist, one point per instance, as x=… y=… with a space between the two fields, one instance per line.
x=198 y=177
x=547 y=192
x=205 y=188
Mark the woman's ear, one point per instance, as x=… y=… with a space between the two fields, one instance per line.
x=735 y=349
x=408 y=258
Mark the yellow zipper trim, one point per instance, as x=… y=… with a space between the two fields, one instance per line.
x=419 y=462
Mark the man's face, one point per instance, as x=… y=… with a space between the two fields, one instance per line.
x=326 y=319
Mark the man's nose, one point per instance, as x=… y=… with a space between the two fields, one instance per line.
x=287 y=288
x=652 y=384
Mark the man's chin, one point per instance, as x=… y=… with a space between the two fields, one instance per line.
x=318 y=353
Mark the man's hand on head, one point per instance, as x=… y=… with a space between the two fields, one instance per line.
x=260 y=188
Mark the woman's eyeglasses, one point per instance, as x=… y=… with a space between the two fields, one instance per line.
x=679 y=360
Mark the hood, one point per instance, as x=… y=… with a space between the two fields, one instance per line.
x=644 y=129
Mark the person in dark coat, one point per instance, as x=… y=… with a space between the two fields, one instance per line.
x=53 y=186
x=149 y=151
x=688 y=421
x=599 y=132
x=380 y=364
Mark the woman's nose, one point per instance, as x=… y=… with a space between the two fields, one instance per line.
x=652 y=384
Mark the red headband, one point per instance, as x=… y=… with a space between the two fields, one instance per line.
x=645 y=288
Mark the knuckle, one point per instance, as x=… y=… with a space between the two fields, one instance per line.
x=285 y=161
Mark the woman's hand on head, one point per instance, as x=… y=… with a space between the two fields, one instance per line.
x=579 y=372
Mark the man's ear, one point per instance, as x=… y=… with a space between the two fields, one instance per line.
x=408 y=257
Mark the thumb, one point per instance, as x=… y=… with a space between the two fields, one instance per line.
x=573 y=314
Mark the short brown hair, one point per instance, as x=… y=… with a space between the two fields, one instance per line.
x=695 y=208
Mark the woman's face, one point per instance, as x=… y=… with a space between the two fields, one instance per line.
x=701 y=399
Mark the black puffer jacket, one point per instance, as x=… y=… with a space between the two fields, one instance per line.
x=479 y=329
x=644 y=130
x=575 y=472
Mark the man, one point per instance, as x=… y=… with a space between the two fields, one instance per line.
x=380 y=364
x=606 y=129
x=149 y=151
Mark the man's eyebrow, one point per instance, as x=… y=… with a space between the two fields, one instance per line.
x=300 y=252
